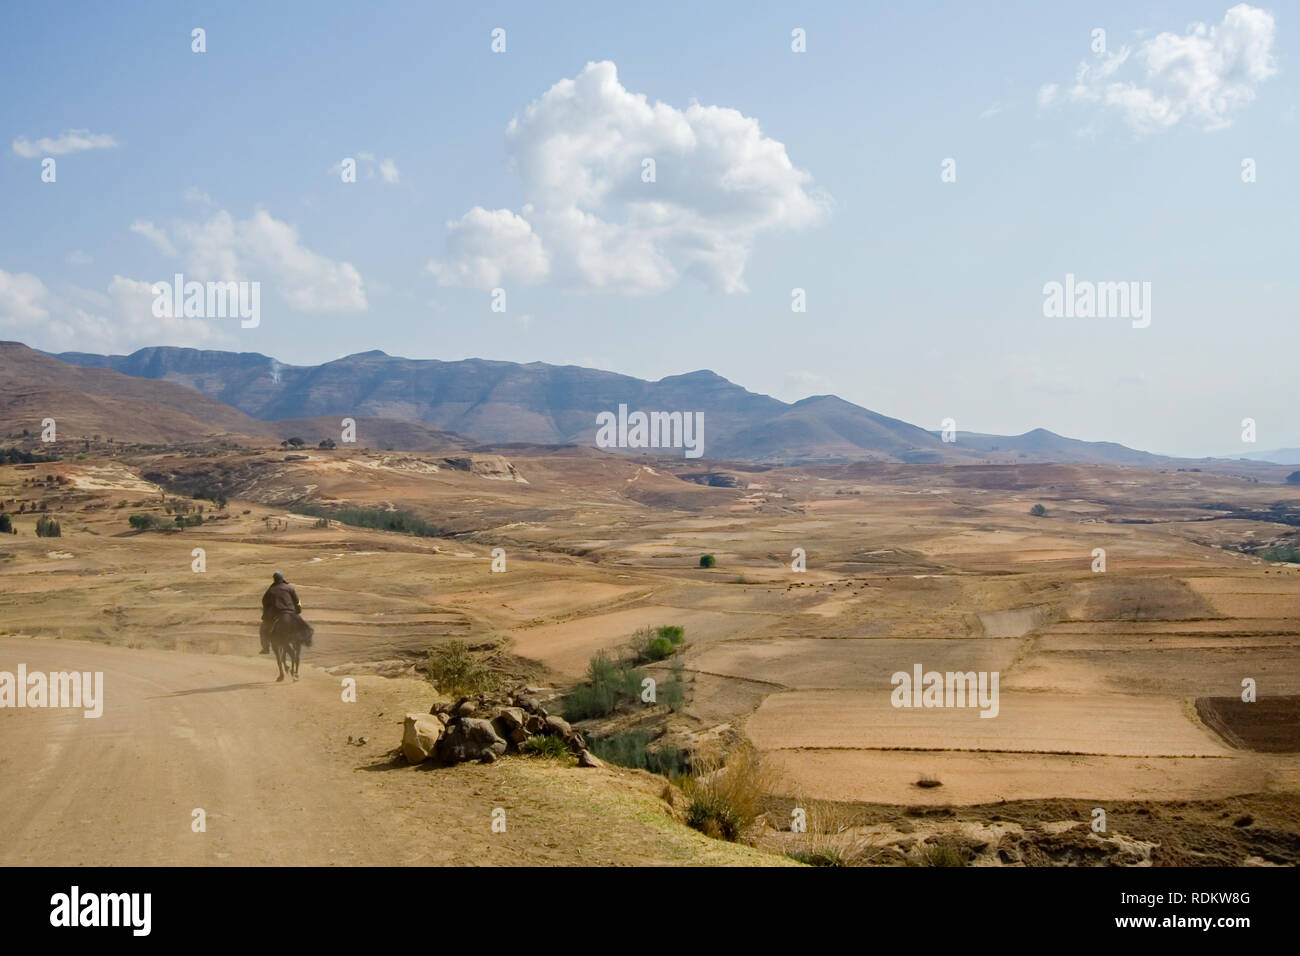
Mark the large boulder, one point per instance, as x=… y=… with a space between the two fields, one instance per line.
x=420 y=735
x=531 y=703
x=512 y=717
x=558 y=727
x=469 y=739
x=509 y=725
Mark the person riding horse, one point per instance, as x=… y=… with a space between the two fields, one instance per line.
x=280 y=599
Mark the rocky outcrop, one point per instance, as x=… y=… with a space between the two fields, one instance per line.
x=486 y=466
x=483 y=728
x=470 y=738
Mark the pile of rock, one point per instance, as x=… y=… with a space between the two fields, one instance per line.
x=481 y=728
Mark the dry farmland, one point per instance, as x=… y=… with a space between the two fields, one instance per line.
x=1117 y=687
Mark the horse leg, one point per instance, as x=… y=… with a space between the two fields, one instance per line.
x=295 y=650
x=279 y=661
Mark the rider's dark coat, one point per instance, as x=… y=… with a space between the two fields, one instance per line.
x=280 y=598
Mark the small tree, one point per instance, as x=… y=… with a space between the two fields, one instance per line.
x=326 y=444
x=708 y=561
x=6 y=524
x=48 y=528
x=1038 y=511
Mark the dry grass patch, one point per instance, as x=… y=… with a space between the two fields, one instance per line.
x=725 y=798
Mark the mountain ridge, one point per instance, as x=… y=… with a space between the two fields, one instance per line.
x=495 y=401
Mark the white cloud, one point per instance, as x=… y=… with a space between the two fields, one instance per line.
x=261 y=249
x=1202 y=76
x=120 y=318
x=155 y=235
x=485 y=245
x=21 y=298
x=69 y=141
x=593 y=224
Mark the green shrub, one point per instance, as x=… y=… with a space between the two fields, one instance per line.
x=672 y=693
x=16 y=456
x=1284 y=552
x=542 y=745
x=646 y=647
x=654 y=644
x=399 y=521
x=589 y=700
x=6 y=524
x=48 y=528
x=632 y=749
x=674 y=632
x=601 y=668
x=708 y=561
x=1038 y=511
x=608 y=684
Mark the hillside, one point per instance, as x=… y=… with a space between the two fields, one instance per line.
x=97 y=401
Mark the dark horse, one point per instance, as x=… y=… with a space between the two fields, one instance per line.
x=288 y=633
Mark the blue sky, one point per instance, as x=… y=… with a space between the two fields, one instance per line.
x=817 y=170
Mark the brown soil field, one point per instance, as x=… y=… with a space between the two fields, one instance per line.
x=1268 y=725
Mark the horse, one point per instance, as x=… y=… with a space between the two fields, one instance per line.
x=288 y=633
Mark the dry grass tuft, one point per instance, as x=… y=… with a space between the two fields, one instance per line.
x=725 y=799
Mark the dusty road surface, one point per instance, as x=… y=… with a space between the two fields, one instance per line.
x=180 y=732
x=271 y=766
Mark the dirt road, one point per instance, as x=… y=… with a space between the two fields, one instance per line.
x=181 y=732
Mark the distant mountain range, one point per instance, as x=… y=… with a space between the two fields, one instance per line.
x=1279 y=456
x=426 y=403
